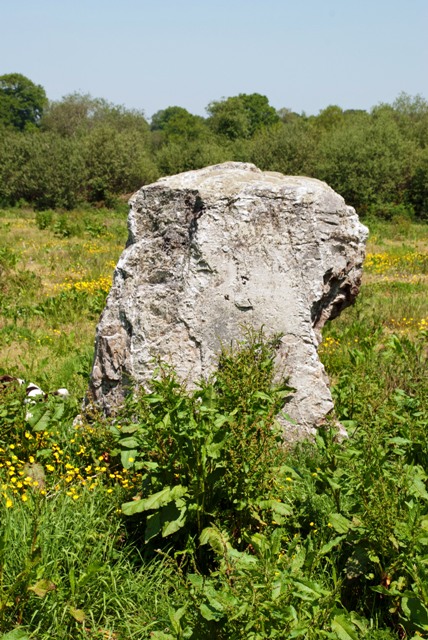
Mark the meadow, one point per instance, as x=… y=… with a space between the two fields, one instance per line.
x=107 y=535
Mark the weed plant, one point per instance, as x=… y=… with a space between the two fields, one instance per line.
x=209 y=456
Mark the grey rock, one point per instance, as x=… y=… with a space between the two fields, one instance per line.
x=215 y=249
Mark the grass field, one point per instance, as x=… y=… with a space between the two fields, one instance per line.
x=329 y=540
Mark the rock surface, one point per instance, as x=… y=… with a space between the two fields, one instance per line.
x=215 y=249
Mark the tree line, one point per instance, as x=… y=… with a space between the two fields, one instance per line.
x=60 y=154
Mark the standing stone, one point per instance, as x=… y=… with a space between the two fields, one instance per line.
x=215 y=249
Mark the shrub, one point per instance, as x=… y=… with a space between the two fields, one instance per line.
x=209 y=455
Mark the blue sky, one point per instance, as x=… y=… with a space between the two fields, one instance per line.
x=302 y=54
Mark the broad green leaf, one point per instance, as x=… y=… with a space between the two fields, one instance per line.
x=91 y=570
x=285 y=470
x=276 y=589
x=127 y=458
x=415 y=611
x=262 y=395
x=131 y=428
x=326 y=548
x=16 y=634
x=214 y=449
x=220 y=420
x=39 y=417
x=59 y=410
x=398 y=440
x=196 y=580
x=153 y=526
x=344 y=628
x=340 y=523
x=129 y=443
x=418 y=488
x=281 y=508
x=154 y=501
x=298 y=632
x=215 y=538
x=298 y=561
x=175 y=617
x=307 y=589
x=333 y=484
x=210 y=613
x=173 y=519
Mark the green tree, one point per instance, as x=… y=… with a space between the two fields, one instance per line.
x=368 y=161
x=161 y=119
x=289 y=148
x=241 y=116
x=21 y=101
x=176 y=125
x=329 y=118
x=77 y=113
x=117 y=162
x=45 y=170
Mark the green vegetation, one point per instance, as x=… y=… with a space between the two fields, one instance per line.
x=21 y=102
x=82 y=149
x=184 y=516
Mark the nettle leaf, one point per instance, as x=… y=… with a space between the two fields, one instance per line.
x=155 y=501
x=340 y=523
x=344 y=628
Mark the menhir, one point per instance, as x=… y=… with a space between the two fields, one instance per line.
x=213 y=250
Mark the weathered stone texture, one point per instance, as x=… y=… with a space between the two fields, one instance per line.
x=225 y=246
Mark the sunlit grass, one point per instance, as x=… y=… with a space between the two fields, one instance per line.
x=53 y=284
